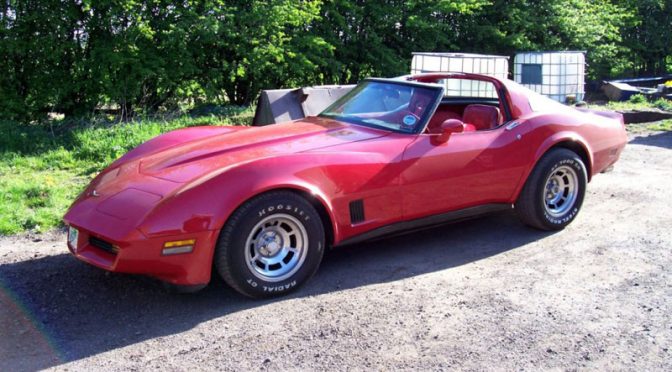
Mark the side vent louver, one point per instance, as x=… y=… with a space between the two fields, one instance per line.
x=356 y=211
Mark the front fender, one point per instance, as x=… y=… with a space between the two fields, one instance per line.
x=207 y=203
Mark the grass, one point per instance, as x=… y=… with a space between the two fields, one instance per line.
x=44 y=166
x=639 y=102
x=665 y=125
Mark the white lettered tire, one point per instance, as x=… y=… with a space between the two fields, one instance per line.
x=270 y=245
x=554 y=191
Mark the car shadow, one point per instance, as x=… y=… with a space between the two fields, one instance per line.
x=662 y=139
x=84 y=311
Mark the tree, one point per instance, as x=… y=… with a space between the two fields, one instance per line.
x=506 y=27
x=378 y=37
x=647 y=36
x=37 y=53
x=252 y=45
x=142 y=56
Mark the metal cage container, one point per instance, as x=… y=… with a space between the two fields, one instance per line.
x=557 y=75
x=497 y=66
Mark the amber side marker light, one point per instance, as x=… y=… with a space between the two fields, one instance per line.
x=178 y=247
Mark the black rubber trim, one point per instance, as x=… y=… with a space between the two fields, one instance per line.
x=102 y=245
x=357 y=211
x=426 y=222
x=503 y=94
x=469 y=101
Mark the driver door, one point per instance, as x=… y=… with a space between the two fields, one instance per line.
x=471 y=168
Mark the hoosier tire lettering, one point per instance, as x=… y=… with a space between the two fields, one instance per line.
x=281 y=207
x=554 y=191
x=271 y=245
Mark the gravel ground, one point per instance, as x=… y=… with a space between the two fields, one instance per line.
x=485 y=294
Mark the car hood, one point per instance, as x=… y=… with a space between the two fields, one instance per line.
x=194 y=159
x=122 y=195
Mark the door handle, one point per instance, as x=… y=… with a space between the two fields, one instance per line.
x=512 y=125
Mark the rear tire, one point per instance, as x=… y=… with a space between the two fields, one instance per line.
x=554 y=191
x=271 y=245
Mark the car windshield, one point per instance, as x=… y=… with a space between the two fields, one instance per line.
x=398 y=106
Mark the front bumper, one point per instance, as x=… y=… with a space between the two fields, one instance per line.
x=137 y=254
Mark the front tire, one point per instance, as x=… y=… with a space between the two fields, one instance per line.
x=271 y=245
x=554 y=191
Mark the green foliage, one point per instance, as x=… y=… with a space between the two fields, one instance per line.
x=640 y=102
x=142 y=57
x=506 y=27
x=665 y=125
x=663 y=104
x=378 y=37
x=646 y=37
x=637 y=98
x=263 y=44
x=44 y=167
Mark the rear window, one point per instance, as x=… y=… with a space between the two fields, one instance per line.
x=469 y=88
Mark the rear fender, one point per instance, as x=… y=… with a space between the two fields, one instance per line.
x=550 y=142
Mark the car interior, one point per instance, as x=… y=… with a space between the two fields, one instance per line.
x=476 y=113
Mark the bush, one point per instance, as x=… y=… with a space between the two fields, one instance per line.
x=663 y=104
x=637 y=98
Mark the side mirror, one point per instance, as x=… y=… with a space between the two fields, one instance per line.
x=449 y=127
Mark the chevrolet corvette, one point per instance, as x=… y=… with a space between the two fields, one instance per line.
x=259 y=205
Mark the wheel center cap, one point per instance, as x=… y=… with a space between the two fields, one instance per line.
x=272 y=248
x=269 y=244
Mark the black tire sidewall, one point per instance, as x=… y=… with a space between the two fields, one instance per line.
x=557 y=160
x=244 y=280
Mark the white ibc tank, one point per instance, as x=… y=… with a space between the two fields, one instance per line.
x=497 y=66
x=557 y=75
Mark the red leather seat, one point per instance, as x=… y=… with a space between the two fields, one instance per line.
x=439 y=117
x=481 y=116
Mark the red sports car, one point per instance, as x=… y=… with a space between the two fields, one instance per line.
x=261 y=204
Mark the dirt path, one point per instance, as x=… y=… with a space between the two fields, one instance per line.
x=483 y=294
